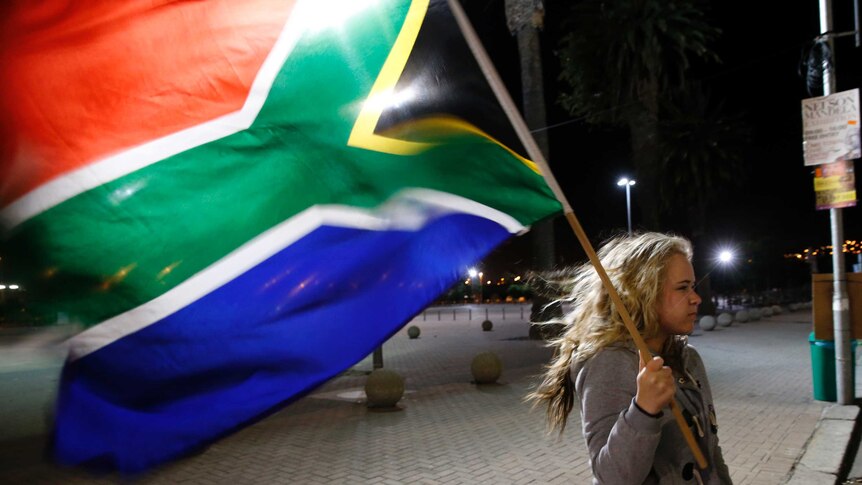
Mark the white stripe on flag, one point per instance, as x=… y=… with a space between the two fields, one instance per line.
x=408 y=210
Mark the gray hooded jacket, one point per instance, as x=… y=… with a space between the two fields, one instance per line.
x=628 y=446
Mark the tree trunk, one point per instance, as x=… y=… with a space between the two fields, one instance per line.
x=703 y=259
x=524 y=18
x=643 y=128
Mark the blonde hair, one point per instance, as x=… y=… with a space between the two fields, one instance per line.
x=636 y=265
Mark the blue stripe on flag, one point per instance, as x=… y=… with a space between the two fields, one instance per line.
x=266 y=338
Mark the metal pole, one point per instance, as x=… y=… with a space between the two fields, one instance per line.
x=841 y=314
x=629 y=205
x=856 y=22
x=840 y=300
x=377 y=359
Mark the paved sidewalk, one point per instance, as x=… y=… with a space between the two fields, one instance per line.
x=449 y=430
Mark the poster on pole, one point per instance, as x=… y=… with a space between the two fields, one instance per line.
x=830 y=128
x=835 y=185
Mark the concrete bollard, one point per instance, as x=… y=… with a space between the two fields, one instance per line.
x=384 y=388
x=707 y=323
x=725 y=319
x=486 y=368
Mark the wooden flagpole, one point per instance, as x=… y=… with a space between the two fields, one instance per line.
x=536 y=155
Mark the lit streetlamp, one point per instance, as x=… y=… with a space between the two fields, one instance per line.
x=624 y=182
x=473 y=274
x=726 y=258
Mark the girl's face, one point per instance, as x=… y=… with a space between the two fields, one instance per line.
x=677 y=306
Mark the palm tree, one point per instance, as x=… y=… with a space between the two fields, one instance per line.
x=524 y=19
x=699 y=151
x=699 y=157
x=620 y=58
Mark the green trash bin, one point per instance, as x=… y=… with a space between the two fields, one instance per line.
x=823 y=368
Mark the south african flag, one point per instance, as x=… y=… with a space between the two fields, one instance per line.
x=239 y=199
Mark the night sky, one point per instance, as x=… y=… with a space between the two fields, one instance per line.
x=758 y=77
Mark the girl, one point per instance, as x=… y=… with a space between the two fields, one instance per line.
x=631 y=438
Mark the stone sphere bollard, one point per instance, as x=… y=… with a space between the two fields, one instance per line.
x=793 y=307
x=486 y=368
x=384 y=388
x=487 y=325
x=707 y=323
x=766 y=311
x=754 y=314
x=725 y=319
x=413 y=332
x=742 y=316
x=776 y=310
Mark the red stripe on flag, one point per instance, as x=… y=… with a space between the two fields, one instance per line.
x=86 y=79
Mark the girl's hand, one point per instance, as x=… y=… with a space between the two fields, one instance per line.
x=655 y=385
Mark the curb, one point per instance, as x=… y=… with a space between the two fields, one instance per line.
x=826 y=452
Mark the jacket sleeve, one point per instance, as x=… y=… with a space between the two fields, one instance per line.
x=621 y=438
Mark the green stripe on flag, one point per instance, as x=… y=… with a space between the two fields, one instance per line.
x=145 y=233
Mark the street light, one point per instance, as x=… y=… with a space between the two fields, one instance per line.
x=725 y=258
x=624 y=182
x=473 y=273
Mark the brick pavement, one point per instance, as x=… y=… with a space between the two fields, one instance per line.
x=451 y=431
